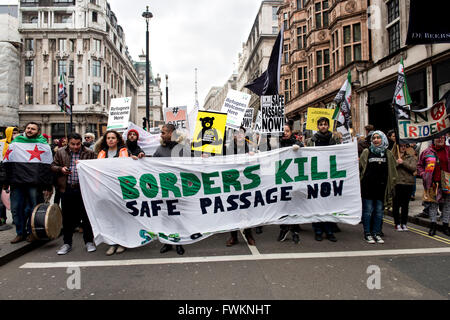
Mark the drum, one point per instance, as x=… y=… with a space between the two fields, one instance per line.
x=46 y=221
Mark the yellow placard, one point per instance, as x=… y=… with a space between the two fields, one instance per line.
x=315 y=114
x=209 y=132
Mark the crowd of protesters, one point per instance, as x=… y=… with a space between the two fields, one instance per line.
x=388 y=174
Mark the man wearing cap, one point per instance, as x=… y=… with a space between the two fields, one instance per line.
x=132 y=144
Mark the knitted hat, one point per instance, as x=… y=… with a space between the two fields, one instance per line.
x=135 y=131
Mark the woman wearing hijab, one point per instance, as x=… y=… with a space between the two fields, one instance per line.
x=378 y=175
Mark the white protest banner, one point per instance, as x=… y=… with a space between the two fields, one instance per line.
x=248 y=118
x=119 y=114
x=184 y=200
x=234 y=106
x=346 y=136
x=258 y=121
x=147 y=141
x=272 y=114
x=177 y=116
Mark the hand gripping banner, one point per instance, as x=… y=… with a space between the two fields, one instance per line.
x=185 y=200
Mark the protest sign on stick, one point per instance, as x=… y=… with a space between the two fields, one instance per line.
x=272 y=114
x=234 y=106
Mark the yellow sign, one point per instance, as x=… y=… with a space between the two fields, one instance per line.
x=315 y=114
x=209 y=132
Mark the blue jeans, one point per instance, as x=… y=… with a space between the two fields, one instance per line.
x=23 y=201
x=375 y=209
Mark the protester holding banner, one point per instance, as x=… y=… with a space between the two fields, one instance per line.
x=378 y=174
x=433 y=168
x=324 y=138
x=67 y=183
x=132 y=144
x=111 y=145
x=168 y=148
x=239 y=145
x=289 y=140
x=406 y=166
x=28 y=167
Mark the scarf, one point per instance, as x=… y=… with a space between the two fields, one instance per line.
x=381 y=149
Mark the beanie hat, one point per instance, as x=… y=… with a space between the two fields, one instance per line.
x=135 y=131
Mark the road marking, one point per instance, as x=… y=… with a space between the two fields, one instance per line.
x=253 y=249
x=261 y=257
x=421 y=232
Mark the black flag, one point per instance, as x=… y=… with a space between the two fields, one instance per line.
x=269 y=82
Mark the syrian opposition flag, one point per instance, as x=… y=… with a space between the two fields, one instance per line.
x=28 y=161
x=402 y=99
x=268 y=84
x=62 y=96
x=344 y=100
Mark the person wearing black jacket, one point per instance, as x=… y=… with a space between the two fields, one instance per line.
x=289 y=140
x=132 y=144
x=324 y=138
x=239 y=146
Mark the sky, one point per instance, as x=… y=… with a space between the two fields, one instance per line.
x=184 y=35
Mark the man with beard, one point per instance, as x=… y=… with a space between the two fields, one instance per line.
x=132 y=144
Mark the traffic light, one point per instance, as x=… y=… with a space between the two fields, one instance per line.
x=144 y=123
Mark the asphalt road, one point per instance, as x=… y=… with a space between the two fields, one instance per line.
x=410 y=265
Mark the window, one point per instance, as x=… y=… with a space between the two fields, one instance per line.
x=274 y=13
x=321 y=14
x=151 y=102
x=352 y=43
x=93 y=1
x=274 y=30
x=335 y=50
x=29 y=44
x=96 y=68
x=286 y=53
x=71 y=68
x=96 y=90
x=62 y=44
x=94 y=16
x=301 y=37
x=287 y=89
x=62 y=67
x=29 y=68
x=30 y=17
x=302 y=79
x=322 y=64
x=393 y=26
x=97 y=45
x=300 y=4
x=28 y=93
x=63 y=17
x=286 y=22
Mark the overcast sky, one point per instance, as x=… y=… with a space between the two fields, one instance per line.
x=184 y=35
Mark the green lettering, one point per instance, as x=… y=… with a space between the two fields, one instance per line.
x=301 y=169
x=231 y=178
x=314 y=173
x=127 y=186
x=168 y=183
x=281 y=172
x=256 y=179
x=149 y=185
x=207 y=183
x=194 y=188
x=334 y=174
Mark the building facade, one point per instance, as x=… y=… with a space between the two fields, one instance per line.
x=155 y=95
x=82 y=40
x=217 y=95
x=9 y=68
x=323 y=40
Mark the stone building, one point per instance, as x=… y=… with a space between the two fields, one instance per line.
x=155 y=95
x=83 y=40
x=325 y=39
x=9 y=67
x=210 y=101
x=217 y=95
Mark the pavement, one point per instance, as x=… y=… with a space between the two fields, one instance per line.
x=9 y=252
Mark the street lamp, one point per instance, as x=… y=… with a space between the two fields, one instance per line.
x=147 y=16
x=167 y=91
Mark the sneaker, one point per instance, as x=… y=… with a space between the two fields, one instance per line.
x=64 y=249
x=398 y=228
x=179 y=249
x=120 y=249
x=283 y=234
x=111 y=250
x=404 y=227
x=295 y=237
x=165 y=248
x=318 y=237
x=369 y=239
x=378 y=239
x=90 y=247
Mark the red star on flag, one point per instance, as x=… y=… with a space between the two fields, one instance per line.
x=8 y=152
x=399 y=97
x=35 y=153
